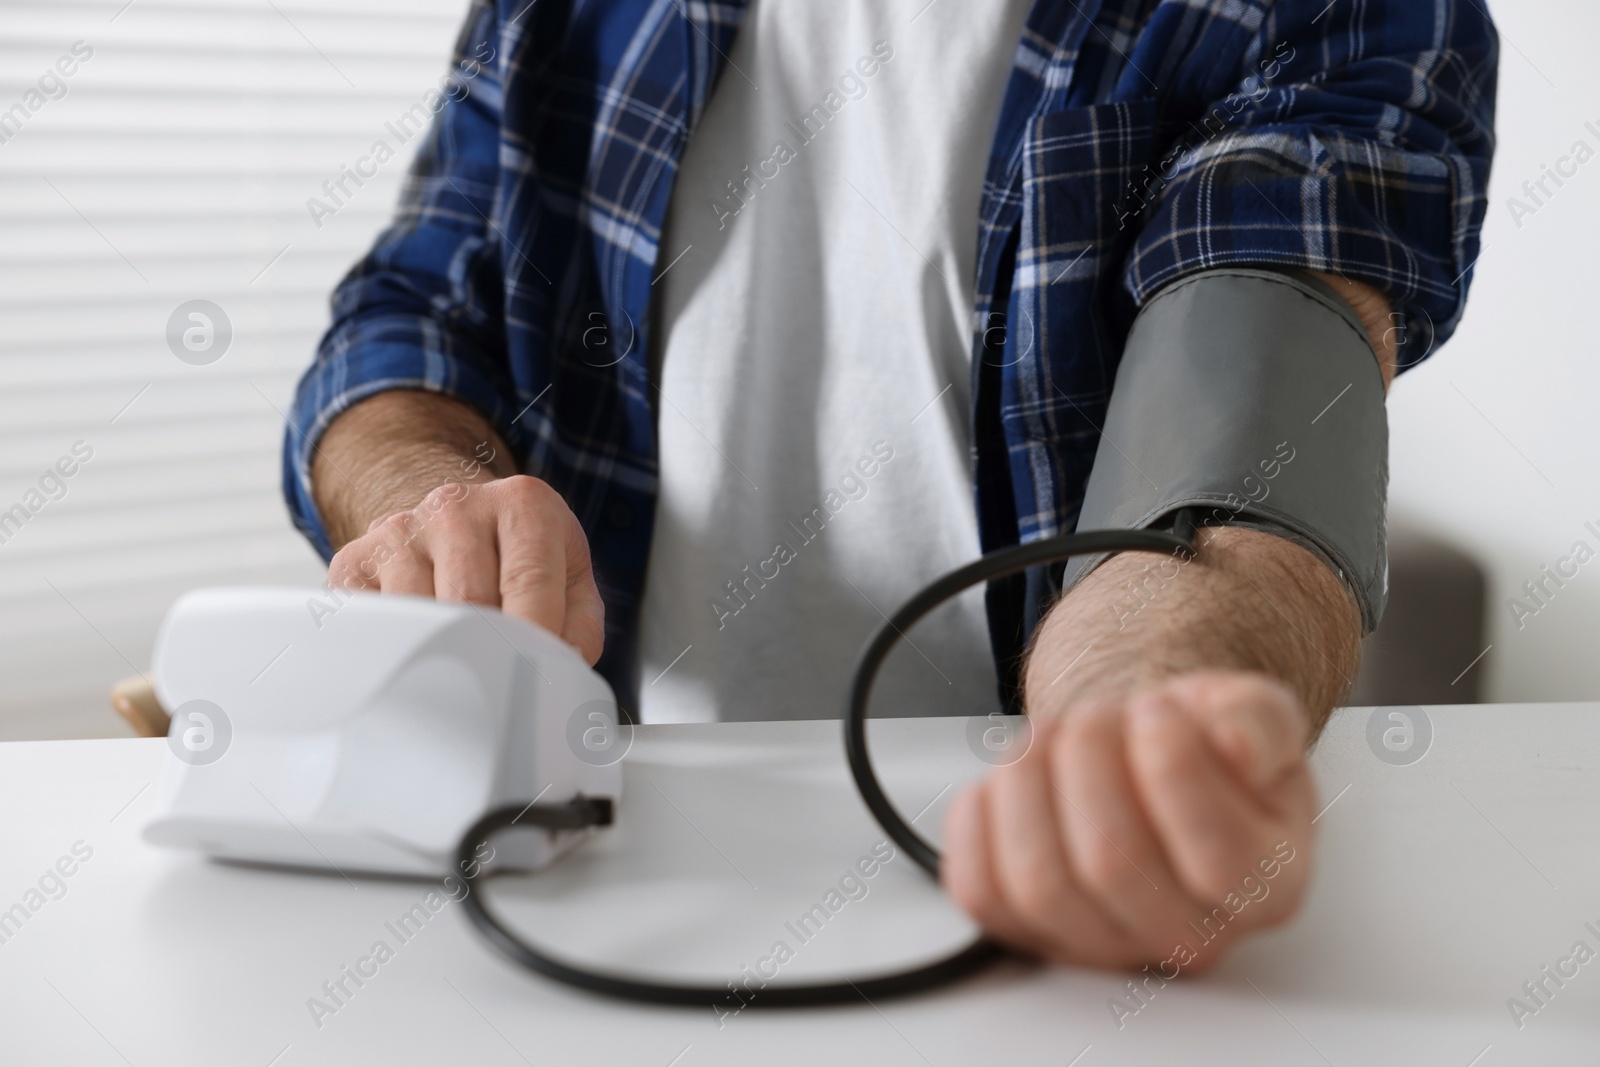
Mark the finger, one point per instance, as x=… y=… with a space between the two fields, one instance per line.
x=409 y=573
x=1254 y=722
x=584 y=624
x=1210 y=830
x=383 y=560
x=390 y=551
x=346 y=570
x=966 y=869
x=1031 y=868
x=1115 y=856
x=460 y=537
x=533 y=552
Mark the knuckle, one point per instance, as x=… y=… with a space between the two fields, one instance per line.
x=360 y=560
x=390 y=542
x=341 y=574
x=448 y=525
x=395 y=529
x=443 y=499
x=526 y=491
x=340 y=563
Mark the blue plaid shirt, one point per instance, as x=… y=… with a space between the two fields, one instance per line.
x=1139 y=141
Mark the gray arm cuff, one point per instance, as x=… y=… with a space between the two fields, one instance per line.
x=1254 y=397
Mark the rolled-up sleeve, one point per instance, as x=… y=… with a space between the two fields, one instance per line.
x=1357 y=141
x=421 y=310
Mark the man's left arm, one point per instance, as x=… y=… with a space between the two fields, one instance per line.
x=1164 y=806
x=1166 y=774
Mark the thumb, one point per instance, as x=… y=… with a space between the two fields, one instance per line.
x=1254 y=723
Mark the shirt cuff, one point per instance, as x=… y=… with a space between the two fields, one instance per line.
x=334 y=384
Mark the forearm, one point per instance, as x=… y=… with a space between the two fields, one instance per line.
x=1248 y=601
x=386 y=453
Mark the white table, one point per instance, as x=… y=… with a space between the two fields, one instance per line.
x=1441 y=887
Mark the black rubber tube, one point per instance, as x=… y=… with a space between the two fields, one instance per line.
x=597 y=811
x=999 y=564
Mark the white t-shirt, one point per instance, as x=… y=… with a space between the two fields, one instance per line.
x=814 y=356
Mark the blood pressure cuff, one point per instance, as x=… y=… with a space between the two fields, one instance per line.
x=1255 y=398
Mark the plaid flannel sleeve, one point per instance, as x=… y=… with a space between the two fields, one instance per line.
x=421 y=310
x=1357 y=140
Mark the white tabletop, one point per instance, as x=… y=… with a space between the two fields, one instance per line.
x=1441 y=887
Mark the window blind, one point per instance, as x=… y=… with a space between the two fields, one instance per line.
x=153 y=154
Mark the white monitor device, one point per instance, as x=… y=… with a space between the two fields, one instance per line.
x=365 y=733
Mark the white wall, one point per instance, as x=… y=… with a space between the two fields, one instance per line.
x=1494 y=440
x=182 y=157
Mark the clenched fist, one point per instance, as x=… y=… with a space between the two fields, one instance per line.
x=1151 y=830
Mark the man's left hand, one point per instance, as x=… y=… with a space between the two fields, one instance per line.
x=1155 y=829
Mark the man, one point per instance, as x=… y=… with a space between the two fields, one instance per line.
x=704 y=348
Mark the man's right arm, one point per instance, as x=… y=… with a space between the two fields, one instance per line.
x=420 y=496
x=399 y=463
